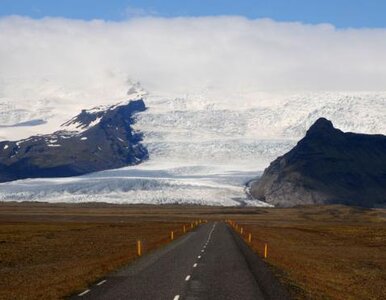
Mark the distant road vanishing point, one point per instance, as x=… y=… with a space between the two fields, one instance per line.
x=210 y=262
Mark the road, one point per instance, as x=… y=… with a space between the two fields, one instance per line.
x=207 y=263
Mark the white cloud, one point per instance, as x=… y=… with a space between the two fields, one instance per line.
x=187 y=54
x=133 y=12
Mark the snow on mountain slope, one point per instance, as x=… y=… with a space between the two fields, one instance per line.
x=45 y=106
x=248 y=138
x=101 y=139
x=203 y=148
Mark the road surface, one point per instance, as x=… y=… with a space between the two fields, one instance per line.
x=207 y=263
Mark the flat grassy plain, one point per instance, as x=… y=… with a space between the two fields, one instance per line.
x=49 y=251
x=330 y=252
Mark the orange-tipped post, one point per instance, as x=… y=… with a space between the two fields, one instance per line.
x=139 y=248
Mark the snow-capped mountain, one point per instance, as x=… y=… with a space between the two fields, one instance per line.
x=203 y=148
x=94 y=140
x=42 y=106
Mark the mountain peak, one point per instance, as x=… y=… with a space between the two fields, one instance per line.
x=321 y=125
x=327 y=167
x=136 y=91
x=92 y=141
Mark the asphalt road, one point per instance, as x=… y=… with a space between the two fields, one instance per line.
x=210 y=262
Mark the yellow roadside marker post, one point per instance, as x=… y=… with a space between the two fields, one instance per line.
x=249 y=238
x=172 y=235
x=265 y=251
x=184 y=229
x=139 y=248
x=241 y=230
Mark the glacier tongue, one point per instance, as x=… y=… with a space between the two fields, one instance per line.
x=150 y=184
x=203 y=149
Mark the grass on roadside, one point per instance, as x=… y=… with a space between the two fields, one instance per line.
x=51 y=260
x=331 y=252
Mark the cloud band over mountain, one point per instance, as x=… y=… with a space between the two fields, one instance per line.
x=185 y=54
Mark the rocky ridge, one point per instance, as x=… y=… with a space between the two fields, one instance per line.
x=327 y=166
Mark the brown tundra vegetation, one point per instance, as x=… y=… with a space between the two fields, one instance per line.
x=50 y=251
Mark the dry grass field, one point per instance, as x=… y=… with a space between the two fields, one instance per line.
x=48 y=251
x=51 y=252
x=332 y=252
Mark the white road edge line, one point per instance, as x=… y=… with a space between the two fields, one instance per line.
x=102 y=282
x=187 y=278
x=83 y=293
x=195 y=265
x=176 y=297
x=199 y=256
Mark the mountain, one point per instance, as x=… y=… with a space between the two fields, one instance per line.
x=94 y=140
x=327 y=166
x=203 y=147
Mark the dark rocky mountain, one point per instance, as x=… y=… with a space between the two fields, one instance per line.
x=95 y=140
x=327 y=166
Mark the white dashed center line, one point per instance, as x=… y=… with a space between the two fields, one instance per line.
x=187 y=278
x=102 y=282
x=84 y=293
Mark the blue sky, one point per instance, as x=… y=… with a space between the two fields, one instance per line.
x=341 y=13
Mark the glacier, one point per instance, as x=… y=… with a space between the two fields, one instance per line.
x=203 y=147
